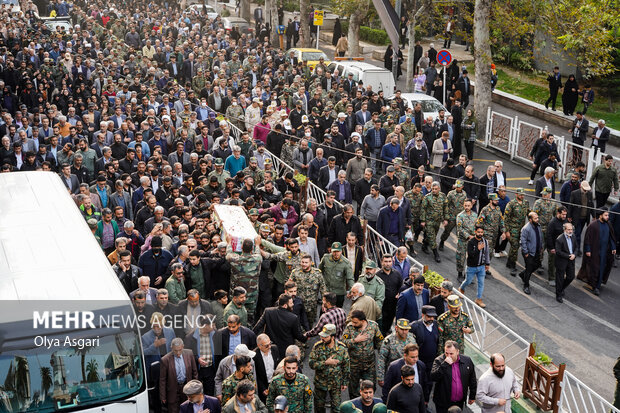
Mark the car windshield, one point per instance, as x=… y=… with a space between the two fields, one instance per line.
x=81 y=373
x=308 y=56
x=14 y=2
x=431 y=106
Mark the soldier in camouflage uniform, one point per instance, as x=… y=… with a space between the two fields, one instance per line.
x=288 y=259
x=235 y=64
x=219 y=172
x=373 y=286
x=243 y=372
x=393 y=111
x=455 y=206
x=545 y=207
x=199 y=81
x=292 y=385
x=453 y=325
x=409 y=130
x=287 y=151
x=330 y=360
x=403 y=175
x=362 y=337
x=434 y=212
x=392 y=347
x=492 y=221
x=310 y=286
x=254 y=171
x=415 y=197
x=244 y=272
x=465 y=228
x=235 y=115
x=337 y=272
x=515 y=216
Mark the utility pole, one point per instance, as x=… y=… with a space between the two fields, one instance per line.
x=396 y=46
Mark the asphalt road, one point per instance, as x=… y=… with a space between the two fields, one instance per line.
x=584 y=331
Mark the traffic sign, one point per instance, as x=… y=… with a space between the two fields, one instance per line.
x=318 y=17
x=444 y=57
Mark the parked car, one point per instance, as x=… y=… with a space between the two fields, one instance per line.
x=379 y=78
x=241 y=24
x=311 y=56
x=53 y=23
x=430 y=105
x=200 y=9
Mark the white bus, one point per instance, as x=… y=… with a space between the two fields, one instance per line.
x=68 y=337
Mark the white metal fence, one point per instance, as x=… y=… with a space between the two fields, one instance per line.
x=490 y=335
x=517 y=138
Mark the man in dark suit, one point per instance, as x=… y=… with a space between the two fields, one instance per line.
x=188 y=306
x=464 y=85
x=266 y=360
x=410 y=358
x=580 y=211
x=600 y=137
x=281 y=324
x=427 y=340
x=176 y=369
x=196 y=397
x=441 y=374
x=579 y=130
x=374 y=141
x=349 y=84
x=232 y=333
x=70 y=180
x=407 y=306
x=555 y=84
x=546 y=181
x=324 y=172
x=205 y=357
x=173 y=67
x=565 y=253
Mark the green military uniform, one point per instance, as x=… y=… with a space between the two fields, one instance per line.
x=492 y=221
x=199 y=82
x=375 y=288
x=287 y=153
x=545 y=208
x=234 y=113
x=310 y=288
x=242 y=312
x=329 y=378
x=247 y=150
x=287 y=262
x=465 y=228
x=256 y=173
x=403 y=176
x=234 y=65
x=244 y=272
x=455 y=206
x=176 y=290
x=451 y=328
x=297 y=392
x=515 y=216
x=409 y=130
x=229 y=386
x=416 y=207
x=434 y=212
x=392 y=348
x=362 y=354
x=221 y=177
x=338 y=274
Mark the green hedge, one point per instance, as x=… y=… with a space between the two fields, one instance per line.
x=374 y=36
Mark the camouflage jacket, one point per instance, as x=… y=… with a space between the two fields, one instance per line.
x=434 y=208
x=545 y=208
x=310 y=286
x=229 y=385
x=244 y=269
x=451 y=328
x=466 y=225
x=455 y=203
x=297 y=392
x=329 y=376
x=491 y=220
x=391 y=349
x=416 y=203
x=515 y=214
x=362 y=353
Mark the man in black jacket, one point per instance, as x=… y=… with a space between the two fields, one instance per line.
x=221 y=339
x=441 y=374
x=471 y=185
x=555 y=84
x=555 y=228
x=266 y=353
x=565 y=248
x=343 y=224
x=578 y=215
x=281 y=324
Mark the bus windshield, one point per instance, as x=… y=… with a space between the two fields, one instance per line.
x=85 y=371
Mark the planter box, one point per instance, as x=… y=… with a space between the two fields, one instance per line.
x=541 y=384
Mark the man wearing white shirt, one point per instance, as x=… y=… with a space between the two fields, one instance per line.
x=307 y=244
x=265 y=360
x=500 y=175
x=496 y=385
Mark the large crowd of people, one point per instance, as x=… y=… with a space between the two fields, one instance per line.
x=152 y=116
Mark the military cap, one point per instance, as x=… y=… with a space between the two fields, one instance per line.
x=315 y=110
x=336 y=246
x=520 y=191
x=370 y=264
x=268 y=161
x=390 y=168
x=264 y=227
x=219 y=161
x=92 y=223
x=454 y=301
x=379 y=408
x=304 y=119
x=199 y=69
x=328 y=330
x=348 y=407
x=193 y=387
x=259 y=143
x=253 y=159
x=458 y=183
x=546 y=190
x=493 y=197
x=398 y=161
x=403 y=323
x=253 y=211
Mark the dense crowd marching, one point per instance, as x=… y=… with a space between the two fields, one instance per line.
x=137 y=108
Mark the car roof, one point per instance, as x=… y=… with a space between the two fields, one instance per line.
x=363 y=66
x=415 y=96
x=306 y=49
x=236 y=19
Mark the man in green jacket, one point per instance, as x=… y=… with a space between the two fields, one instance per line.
x=176 y=284
x=338 y=273
x=606 y=177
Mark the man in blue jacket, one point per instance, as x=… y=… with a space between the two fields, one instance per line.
x=412 y=300
x=154 y=262
x=411 y=359
x=391 y=222
x=374 y=141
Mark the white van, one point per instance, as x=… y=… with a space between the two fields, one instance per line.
x=379 y=78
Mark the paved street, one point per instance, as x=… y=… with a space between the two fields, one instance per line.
x=584 y=332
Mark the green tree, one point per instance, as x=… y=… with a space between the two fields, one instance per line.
x=356 y=11
x=92 y=375
x=46 y=380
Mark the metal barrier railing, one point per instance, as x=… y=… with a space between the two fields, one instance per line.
x=490 y=335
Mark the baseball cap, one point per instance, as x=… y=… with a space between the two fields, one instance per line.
x=243 y=350
x=454 y=301
x=493 y=197
x=403 y=323
x=328 y=330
